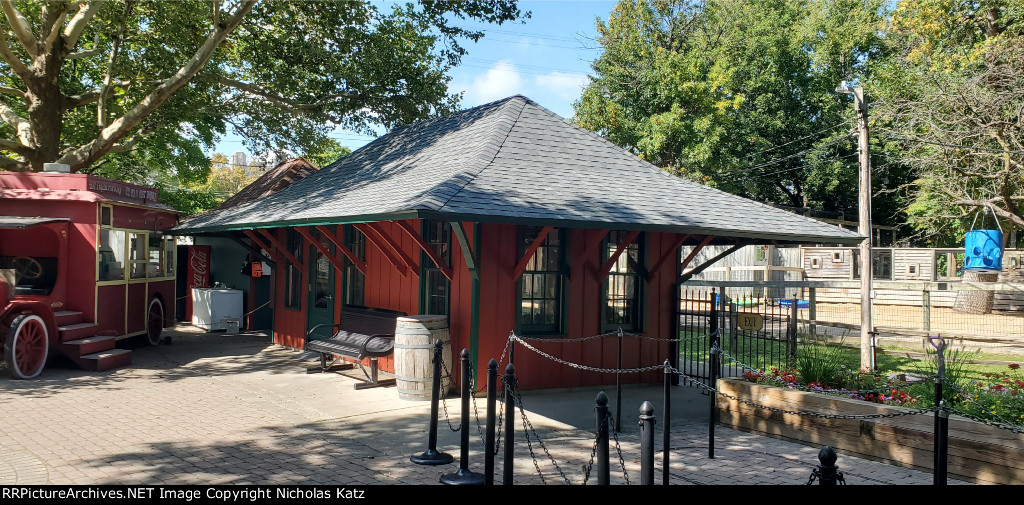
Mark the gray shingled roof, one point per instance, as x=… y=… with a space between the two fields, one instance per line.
x=512 y=161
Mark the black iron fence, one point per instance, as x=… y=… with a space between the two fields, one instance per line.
x=761 y=332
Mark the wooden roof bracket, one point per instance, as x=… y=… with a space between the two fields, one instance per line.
x=429 y=251
x=663 y=260
x=253 y=249
x=686 y=276
x=352 y=258
x=274 y=245
x=304 y=230
x=375 y=237
x=467 y=252
x=607 y=267
x=530 y=251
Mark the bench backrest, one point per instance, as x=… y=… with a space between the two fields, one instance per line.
x=368 y=321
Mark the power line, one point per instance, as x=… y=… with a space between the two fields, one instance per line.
x=943 y=144
x=833 y=127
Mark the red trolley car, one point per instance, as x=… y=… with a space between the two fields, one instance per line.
x=83 y=263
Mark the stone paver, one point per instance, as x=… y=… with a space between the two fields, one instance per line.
x=220 y=409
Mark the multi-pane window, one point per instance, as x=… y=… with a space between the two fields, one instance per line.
x=137 y=260
x=111 y=253
x=292 y=275
x=354 y=280
x=540 y=287
x=622 y=288
x=435 y=287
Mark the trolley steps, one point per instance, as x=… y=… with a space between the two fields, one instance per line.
x=78 y=341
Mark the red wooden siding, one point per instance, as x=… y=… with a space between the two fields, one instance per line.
x=498 y=256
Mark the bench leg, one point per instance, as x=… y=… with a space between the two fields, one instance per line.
x=374 y=383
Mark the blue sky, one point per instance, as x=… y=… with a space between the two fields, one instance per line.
x=547 y=59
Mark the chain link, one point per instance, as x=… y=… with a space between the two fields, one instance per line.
x=444 y=403
x=585 y=367
x=527 y=429
x=604 y=335
x=590 y=465
x=615 y=437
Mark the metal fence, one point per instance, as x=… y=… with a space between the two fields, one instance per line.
x=761 y=333
x=904 y=314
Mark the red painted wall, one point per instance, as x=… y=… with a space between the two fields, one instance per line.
x=498 y=255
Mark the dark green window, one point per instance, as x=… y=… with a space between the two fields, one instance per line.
x=622 y=291
x=435 y=288
x=355 y=282
x=541 y=287
x=292 y=275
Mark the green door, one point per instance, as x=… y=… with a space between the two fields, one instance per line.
x=321 y=291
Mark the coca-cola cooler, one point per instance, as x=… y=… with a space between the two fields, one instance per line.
x=194 y=264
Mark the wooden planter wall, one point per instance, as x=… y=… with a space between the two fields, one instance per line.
x=977 y=452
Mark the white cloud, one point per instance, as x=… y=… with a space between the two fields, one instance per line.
x=564 y=85
x=500 y=81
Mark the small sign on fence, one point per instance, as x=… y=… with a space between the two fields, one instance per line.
x=749 y=322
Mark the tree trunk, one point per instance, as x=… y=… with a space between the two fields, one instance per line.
x=45 y=109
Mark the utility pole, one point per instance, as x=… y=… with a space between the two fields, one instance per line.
x=867 y=351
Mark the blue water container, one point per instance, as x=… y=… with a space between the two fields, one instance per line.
x=983 y=250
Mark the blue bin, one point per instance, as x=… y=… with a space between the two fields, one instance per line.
x=983 y=250
x=800 y=304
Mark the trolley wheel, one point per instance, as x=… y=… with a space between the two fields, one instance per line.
x=26 y=346
x=154 y=321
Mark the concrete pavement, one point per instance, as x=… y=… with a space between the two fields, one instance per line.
x=235 y=409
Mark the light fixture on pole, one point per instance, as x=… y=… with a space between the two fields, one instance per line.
x=867 y=351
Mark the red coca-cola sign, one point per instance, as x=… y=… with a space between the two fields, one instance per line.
x=197 y=274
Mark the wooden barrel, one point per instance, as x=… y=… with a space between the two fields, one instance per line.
x=414 y=350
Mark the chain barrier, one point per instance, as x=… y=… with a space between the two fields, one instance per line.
x=585 y=367
x=589 y=466
x=615 y=437
x=816 y=473
x=444 y=403
x=527 y=429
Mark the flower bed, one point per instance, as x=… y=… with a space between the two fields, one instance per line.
x=977 y=452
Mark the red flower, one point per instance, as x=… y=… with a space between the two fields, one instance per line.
x=1013 y=366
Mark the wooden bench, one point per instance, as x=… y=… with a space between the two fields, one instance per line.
x=362 y=333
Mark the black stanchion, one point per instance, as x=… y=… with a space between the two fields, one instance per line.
x=827 y=473
x=432 y=457
x=492 y=385
x=464 y=476
x=603 y=465
x=665 y=432
x=618 y=388
x=510 y=411
x=647 y=421
x=940 y=437
x=713 y=341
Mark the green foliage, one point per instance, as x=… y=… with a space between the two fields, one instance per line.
x=822 y=362
x=326 y=152
x=740 y=95
x=284 y=76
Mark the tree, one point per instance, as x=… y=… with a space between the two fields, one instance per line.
x=738 y=95
x=119 y=87
x=952 y=98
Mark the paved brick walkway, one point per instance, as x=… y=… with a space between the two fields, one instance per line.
x=219 y=409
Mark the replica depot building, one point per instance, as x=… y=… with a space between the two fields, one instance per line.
x=504 y=217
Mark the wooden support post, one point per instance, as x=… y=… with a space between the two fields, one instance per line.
x=672 y=252
x=607 y=267
x=926 y=309
x=304 y=231
x=429 y=251
x=812 y=312
x=372 y=236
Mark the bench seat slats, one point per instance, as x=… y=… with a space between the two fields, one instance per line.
x=362 y=333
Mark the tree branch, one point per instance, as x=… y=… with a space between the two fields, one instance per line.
x=12 y=91
x=14 y=147
x=86 y=154
x=289 y=105
x=12 y=59
x=78 y=23
x=53 y=23
x=19 y=25
x=990 y=204
x=13 y=164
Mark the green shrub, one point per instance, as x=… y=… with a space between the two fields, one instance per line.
x=822 y=362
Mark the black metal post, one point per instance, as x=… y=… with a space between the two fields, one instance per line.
x=489 y=438
x=647 y=422
x=667 y=416
x=432 y=457
x=939 y=440
x=601 y=413
x=618 y=389
x=510 y=411
x=713 y=344
x=828 y=473
x=464 y=476
x=793 y=315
